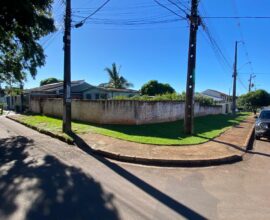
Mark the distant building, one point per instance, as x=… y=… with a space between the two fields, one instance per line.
x=220 y=98
x=10 y=97
x=216 y=95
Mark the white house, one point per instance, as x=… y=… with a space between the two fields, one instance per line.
x=216 y=95
x=219 y=97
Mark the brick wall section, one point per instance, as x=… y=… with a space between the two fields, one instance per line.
x=120 y=111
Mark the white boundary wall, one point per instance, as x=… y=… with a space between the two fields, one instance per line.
x=121 y=111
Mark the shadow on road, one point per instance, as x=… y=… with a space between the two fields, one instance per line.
x=171 y=203
x=55 y=190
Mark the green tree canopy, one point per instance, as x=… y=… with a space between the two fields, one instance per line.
x=22 y=24
x=116 y=80
x=254 y=99
x=153 y=87
x=49 y=81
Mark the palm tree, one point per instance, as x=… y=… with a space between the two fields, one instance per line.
x=116 y=80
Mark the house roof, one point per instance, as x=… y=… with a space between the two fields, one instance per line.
x=55 y=86
x=119 y=90
x=214 y=94
x=80 y=87
x=76 y=87
x=215 y=91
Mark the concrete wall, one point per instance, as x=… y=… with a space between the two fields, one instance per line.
x=120 y=111
x=226 y=107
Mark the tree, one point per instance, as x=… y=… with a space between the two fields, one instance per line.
x=49 y=81
x=254 y=100
x=153 y=87
x=116 y=80
x=22 y=24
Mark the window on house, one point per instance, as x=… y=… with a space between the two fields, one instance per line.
x=97 y=96
x=88 y=96
x=103 y=96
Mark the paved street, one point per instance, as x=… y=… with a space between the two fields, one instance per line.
x=43 y=178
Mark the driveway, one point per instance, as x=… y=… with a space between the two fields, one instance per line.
x=43 y=178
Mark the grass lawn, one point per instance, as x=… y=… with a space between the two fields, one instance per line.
x=170 y=133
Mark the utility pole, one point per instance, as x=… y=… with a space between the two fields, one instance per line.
x=234 y=79
x=21 y=96
x=250 y=85
x=67 y=72
x=190 y=87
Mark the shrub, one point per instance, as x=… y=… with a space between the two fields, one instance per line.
x=1 y=108
x=169 y=97
x=153 y=87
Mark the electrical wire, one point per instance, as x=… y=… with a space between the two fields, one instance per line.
x=242 y=38
x=183 y=5
x=215 y=46
x=122 y=21
x=242 y=84
x=132 y=22
x=51 y=38
x=167 y=8
x=219 y=53
x=96 y=11
x=177 y=6
x=236 y=17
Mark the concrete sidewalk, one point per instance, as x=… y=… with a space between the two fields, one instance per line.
x=229 y=147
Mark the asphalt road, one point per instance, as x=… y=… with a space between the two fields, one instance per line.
x=43 y=178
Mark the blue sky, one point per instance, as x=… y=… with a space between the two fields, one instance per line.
x=159 y=51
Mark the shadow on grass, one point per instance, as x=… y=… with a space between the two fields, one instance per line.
x=206 y=126
x=56 y=190
x=171 y=203
x=175 y=130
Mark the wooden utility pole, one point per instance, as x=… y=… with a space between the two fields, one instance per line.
x=190 y=87
x=234 y=79
x=21 y=96
x=67 y=71
x=250 y=85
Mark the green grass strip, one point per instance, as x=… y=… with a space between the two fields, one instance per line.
x=170 y=133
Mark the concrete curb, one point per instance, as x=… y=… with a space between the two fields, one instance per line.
x=170 y=163
x=250 y=139
x=152 y=161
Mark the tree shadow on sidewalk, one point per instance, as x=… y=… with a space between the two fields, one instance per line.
x=54 y=189
x=248 y=150
x=168 y=201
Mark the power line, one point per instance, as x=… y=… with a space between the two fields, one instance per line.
x=186 y=7
x=177 y=6
x=141 y=6
x=152 y=20
x=132 y=22
x=163 y=6
x=236 y=17
x=215 y=45
x=242 y=84
x=92 y=14
x=52 y=39
x=219 y=53
x=242 y=38
x=255 y=73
